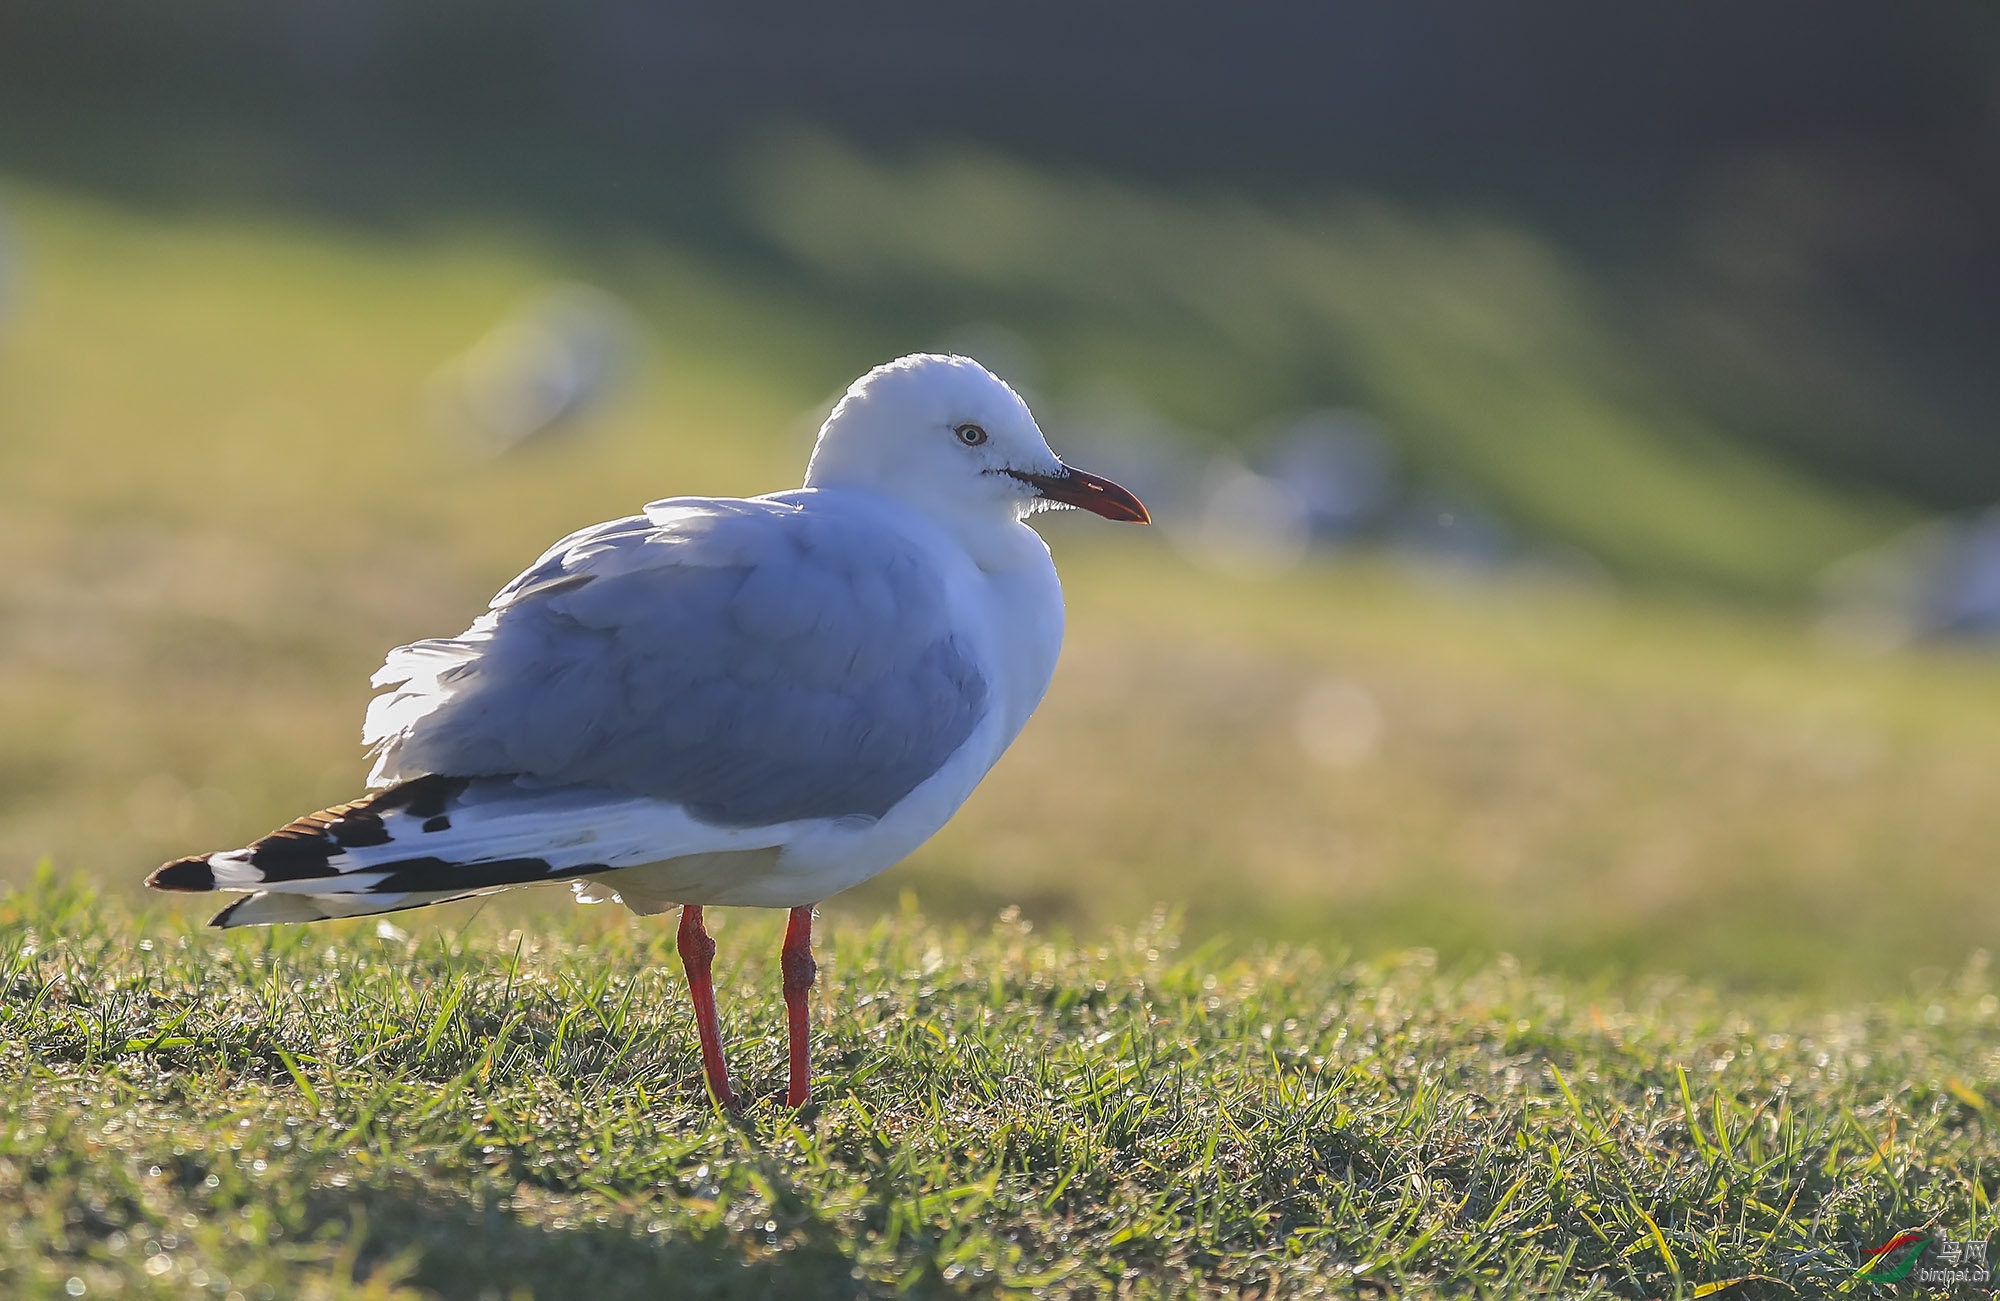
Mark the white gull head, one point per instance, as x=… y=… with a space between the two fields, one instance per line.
x=948 y=436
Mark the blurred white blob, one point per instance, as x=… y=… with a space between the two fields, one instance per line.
x=1451 y=529
x=1311 y=483
x=1965 y=598
x=1338 y=466
x=1940 y=579
x=550 y=361
x=1250 y=525
x=1321 y=480
x=1338 y=723
x=1223 y=514
x=1111 y=432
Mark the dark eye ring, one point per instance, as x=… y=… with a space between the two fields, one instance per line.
x=970 y=435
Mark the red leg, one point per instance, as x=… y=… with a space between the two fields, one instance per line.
x=799 y=968
x=697 y=955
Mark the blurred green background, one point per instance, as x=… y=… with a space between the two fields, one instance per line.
x=1569 y=427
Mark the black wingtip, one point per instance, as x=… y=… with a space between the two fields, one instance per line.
x=191 y=874
x=221 y=919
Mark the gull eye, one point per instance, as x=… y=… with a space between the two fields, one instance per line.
x=970 y=435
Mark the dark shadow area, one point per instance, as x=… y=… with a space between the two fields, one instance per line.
x=1499 y=101
x=464 y=1247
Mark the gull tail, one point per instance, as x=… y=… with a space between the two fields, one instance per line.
x=424 y=841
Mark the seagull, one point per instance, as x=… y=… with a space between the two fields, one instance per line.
x=720 y=701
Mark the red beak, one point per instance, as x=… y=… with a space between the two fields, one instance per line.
x=1089 y=492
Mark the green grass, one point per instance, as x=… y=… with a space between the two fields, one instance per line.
x=483 y=1111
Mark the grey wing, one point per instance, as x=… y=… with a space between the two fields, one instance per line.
x=749 y=660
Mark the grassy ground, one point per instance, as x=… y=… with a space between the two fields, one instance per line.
x=478 y=1111
x=1753 y=868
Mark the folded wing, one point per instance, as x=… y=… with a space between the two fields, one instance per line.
x=749 y=661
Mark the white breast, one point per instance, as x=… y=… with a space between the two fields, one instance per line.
x=1011 y=610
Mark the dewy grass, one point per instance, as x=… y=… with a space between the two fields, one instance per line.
x=476 y=1111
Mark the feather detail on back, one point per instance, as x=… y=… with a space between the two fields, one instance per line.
x=753 y=662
